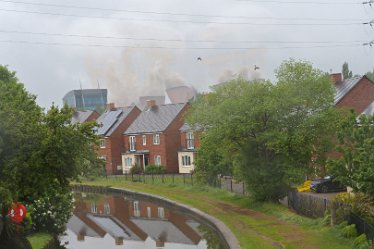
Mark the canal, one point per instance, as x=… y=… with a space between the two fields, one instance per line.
x=124 y=221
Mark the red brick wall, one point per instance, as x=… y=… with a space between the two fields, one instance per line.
x=114 y=144
x=359 y=97
x=170 y=142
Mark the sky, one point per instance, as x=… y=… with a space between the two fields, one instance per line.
x=142 y=47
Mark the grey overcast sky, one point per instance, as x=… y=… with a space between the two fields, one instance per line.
x=141 y=47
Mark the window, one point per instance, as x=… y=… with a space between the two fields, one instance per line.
x=102 y=157
x=149 y=213
x=106 y=208
x=132 y=143
x=93 y=208
x=144 y=138
x=136 y=209
x=156 y=138
x=190 y=140
x=158 y=160
x=161 y=212
x=128 y=161
x=186 y=160
x=102 y=143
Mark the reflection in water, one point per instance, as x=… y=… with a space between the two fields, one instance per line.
x=101 y=221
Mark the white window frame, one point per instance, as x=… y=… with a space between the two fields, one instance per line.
x=136 y=209
x=102 y=143
x=106 y=208
x=103 y=157
x=156 y=139
x=149 y=212
x=161 y=212
x=93 y=208
x=132 y=142
x=186 y=160
x=128 y=161
x=157 y=159
x=144 y=138
x=190 y=140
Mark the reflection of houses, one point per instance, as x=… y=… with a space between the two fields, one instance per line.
x=153 y=138
x=115 y=220
x=188 y=149
x=113 y=122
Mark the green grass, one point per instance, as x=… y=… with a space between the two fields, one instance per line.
x=256 y=225
x=39 y=240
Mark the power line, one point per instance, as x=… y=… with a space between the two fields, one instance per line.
x=174 y=40
x=172 y=13
x=179 y=21
x=301 y=2
x=174 y=48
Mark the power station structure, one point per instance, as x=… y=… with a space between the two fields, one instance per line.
x=86 y=99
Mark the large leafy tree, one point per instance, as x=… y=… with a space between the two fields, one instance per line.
x=39 y=151
x=270 y=132
x=355 y=167
x=370 y=75
x=345 y=71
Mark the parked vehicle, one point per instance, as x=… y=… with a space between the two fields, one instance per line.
x=327 y=184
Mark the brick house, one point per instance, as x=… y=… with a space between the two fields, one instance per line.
x=154 y=137
x=190 y=141
x=356 y=93
x=84 y=116
x=113 y=122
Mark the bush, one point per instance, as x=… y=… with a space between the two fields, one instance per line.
x=52 y=211
x=136 y=169
x=361 y=242
x=154 y=169
x=349 y=231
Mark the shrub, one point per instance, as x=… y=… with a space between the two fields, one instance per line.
x=361 y=242
x=154 y=169
x=136 y=169
x=349 y=231
x=52 y=211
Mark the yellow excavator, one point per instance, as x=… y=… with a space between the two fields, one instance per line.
x=305 y=187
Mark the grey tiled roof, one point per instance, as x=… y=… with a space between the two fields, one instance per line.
x=342 y=88
x=156 y=119
x=80 y=116
x=111 y=119
x=369 y=110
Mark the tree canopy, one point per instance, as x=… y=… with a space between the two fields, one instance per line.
x=267 y=134
x=346 y=72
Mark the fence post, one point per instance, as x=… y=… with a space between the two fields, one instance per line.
x=184 y=179
x=333 y=214
x=132 y=177
x=173 y=178
x=191 y=180
x=231 y=185
x=144 y=178
x=153 y=181
x=162 y=178
x=243 y=188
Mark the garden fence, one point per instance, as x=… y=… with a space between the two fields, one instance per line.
x=308 y=205
x=362 y=226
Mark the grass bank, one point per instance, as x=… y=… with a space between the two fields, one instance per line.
x=39 y=240
x=256 y=225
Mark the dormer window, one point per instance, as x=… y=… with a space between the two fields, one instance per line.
x=156 y=139
x=190 y=140
x=144 y=138
x=102 y=143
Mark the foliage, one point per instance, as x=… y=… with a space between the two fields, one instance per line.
x=370 y=75
x=349 y=231
x=361 y=242
x=355 y=167
x=154 y=169
x=346 y=72
x=51 y=212
x=266 y=134
x=136 y=169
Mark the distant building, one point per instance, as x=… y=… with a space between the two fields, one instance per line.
x=87 y=99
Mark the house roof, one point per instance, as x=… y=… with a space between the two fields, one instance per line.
x=343 y=87
x=369 y=110
x=155 y=119
x=111 y=119
x=80 y=116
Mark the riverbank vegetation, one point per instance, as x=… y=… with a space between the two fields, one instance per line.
x=255 y=224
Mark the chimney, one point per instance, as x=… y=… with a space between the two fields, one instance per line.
x=151 y=103
x=160 y=243
x=336 y=77
x=119 y=241
x=110 y=107
x=80 y=237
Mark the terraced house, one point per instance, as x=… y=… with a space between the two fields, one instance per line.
x=113 y=122
x=154 y=137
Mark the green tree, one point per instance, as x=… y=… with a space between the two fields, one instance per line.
x=370 y=75
x=345 y=71
x=355 y=167
x=269 y=132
